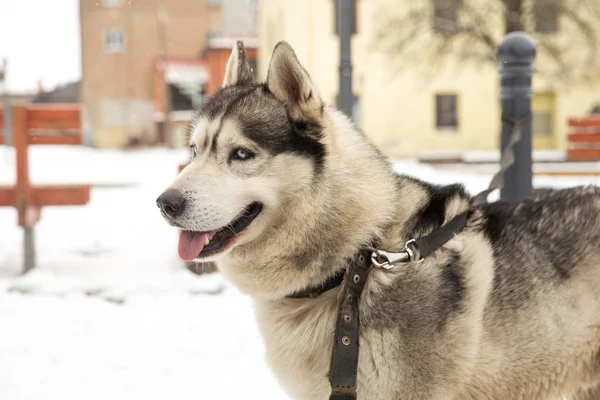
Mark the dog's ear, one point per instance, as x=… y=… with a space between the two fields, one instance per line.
x=238 y=71
x=291 y=84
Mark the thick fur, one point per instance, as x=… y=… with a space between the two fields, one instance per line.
x=507 y=309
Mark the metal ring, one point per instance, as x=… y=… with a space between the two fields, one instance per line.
x=346 y=340
x=413 y=252
x=356 y=278
x=375 y=260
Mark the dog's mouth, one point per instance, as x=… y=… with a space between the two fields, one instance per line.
x=194 y=245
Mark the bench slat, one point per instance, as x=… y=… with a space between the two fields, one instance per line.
x=64 y=195
x=56 y=118
x=585 y=137
x=585 y=130
x=74 y=140
x=50 y=195
x=70 y=140
x=583 y=154
x=584 y=122
x=53 y=124
x=48 y=117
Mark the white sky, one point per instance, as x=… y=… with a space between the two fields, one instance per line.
x=41 y=40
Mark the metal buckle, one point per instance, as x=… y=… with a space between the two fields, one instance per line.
x=413 y=251
x=387 y=259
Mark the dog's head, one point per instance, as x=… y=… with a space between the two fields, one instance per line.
x=256 y=146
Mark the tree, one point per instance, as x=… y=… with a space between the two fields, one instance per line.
x=430 y=33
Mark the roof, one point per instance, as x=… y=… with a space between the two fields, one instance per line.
x=68 y=93
x=250 y=42
x=185 y=72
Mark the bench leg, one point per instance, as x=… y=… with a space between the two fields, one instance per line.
x=29 y=249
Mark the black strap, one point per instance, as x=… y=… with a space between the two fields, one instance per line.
x=313 y=291
x=344 y=357
x=426 y=245
x=506 y=161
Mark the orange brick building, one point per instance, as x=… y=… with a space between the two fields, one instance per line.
x=120 y=43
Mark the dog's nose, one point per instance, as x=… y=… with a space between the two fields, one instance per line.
x=171 y=203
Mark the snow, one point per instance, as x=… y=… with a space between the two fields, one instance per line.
x=171 y=347
x=110 y=311
x=489 y=156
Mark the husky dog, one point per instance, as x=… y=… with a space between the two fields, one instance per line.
x=283 y=190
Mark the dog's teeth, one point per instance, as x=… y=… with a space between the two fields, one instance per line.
x=206 y=241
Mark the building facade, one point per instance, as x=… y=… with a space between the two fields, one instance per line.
x=403 y=112
x=120 y=43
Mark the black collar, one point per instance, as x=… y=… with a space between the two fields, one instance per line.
x=337 y=278
x=313 y=291
x=419 y=249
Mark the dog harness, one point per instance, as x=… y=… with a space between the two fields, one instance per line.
x=344 y=357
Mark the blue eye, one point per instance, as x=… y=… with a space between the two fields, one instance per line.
x=194 y=150
x=241 y=154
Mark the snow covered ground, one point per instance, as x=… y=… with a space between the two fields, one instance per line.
x=110 y=312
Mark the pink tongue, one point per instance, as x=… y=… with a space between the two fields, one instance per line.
x=191 y=244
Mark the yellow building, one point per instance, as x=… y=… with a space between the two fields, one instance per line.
x=404 y=113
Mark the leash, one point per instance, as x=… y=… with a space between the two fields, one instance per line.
x=417 y=250
x=344 y=358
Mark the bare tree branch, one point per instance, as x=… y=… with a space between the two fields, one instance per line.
x=428 y=35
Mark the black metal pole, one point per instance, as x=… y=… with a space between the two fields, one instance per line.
x=345 y=25
x=516 y=54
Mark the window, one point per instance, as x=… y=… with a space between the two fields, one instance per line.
x=336 y=17
x=113 y=3
x=114 y=40
x=545 y=16
x=446 y=111
x=542 y=114
x=445 y=16
x=542 y=124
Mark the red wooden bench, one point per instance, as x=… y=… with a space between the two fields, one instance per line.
x=33 y=125
x=584 y=139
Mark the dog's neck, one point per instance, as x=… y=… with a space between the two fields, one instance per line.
x=355 y=200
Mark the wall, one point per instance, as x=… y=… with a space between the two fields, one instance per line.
x=397 y=109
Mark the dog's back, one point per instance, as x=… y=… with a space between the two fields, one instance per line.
x=543 y=310
x=510 y=308
x=548 y=240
